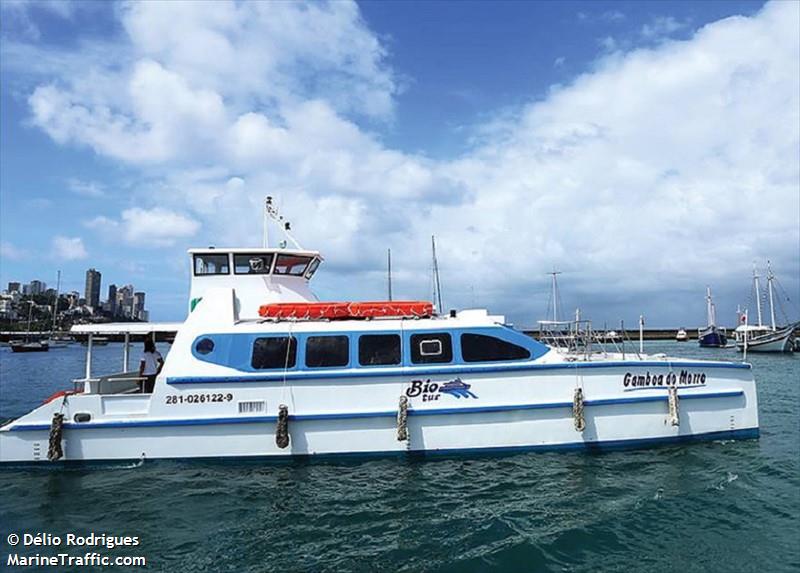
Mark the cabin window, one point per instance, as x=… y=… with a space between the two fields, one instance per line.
x=326 y=351
x=482 y=348
x=274 y=352
x=312 y=268
x=431 y=348
x=379 y=349
x=211 y=264
x=294 y=265
x=256 y=264
x=204 y=346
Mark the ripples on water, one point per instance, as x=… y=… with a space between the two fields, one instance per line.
x=720 y=506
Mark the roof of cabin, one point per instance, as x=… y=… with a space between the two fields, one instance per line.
x=126 y=327
x=255 y=250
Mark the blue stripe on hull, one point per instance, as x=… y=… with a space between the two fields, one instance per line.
x=378 y=414
x=713 y=340
x=423 y=371
x=604 y=446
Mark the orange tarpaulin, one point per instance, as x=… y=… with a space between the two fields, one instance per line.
x=333 y=310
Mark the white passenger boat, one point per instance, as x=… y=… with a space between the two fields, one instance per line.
x=259 y=368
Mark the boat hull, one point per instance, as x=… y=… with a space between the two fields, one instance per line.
x=712 y=339
x=624 y=406
x=29 y=347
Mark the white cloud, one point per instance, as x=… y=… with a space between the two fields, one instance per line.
x=91 y=189
x=659 y=168
x=156 y=227
x=12 y=252
x=69 y=248
x=661 y=27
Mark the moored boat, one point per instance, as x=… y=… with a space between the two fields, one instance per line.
x=260 y=368
x=29 y=346
x=760 y=337
x=712 y=336
x=681 y=335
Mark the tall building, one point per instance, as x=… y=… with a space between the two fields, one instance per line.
x=125 y=301
x=92 y=291
x=112 y=299
x=36 y=287
x=14 y=287
x=138 y=305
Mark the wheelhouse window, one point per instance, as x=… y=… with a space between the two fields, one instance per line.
x=211 y=264
x=483 y=348
x=274 y=352
x=255 y=264
x=312 y=268
x=327 y=351
x=431 y=348
x=294 y=265
x=379 y=349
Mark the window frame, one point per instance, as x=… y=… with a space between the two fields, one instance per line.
x=275 y=270
x=292 y=347
x=199 y=256
x=268 y=271
x=464 y=359
x=326 y=366
x=417 y=339
x=395 y=335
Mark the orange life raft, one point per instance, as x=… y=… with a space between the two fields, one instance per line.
x=345 y=310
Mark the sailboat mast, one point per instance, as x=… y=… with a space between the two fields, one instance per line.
x=758 y=295
x=770 y=276
x=709 y=307
x=437 y=286
x=389 y=271
x=55 y=302
x=554 y=294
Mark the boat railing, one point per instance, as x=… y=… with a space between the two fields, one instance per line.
x=117 y=383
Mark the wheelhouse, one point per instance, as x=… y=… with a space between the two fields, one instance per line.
x=258 y=276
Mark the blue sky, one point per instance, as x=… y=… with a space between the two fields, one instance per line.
x=646 y=149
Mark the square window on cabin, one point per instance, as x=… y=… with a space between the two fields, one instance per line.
x=211 y=264
x=379 y=349
x=258 y=264
x=274 y=352
x=327 y=351
x=483 y=348
x=431 y=348
x=294 y=265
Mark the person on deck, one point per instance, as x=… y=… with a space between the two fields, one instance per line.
x=150 y=365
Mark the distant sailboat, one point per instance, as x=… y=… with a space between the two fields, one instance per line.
x=712 y=336
x=760 y=337
x=29 y=345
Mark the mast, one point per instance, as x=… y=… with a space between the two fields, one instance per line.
x=55 y=303
x=389 y=271
x=554 y=294
x=709 y=307
x=758 y=294
x=267 y=208
x=770 y=277
x=437 y=286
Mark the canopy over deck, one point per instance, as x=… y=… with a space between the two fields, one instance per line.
x=126 y=327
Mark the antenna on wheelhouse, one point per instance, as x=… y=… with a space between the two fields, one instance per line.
x=389 y=271
x=437 y=285
x=271 y=212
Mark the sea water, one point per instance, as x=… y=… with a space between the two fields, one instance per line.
x=708 y=506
